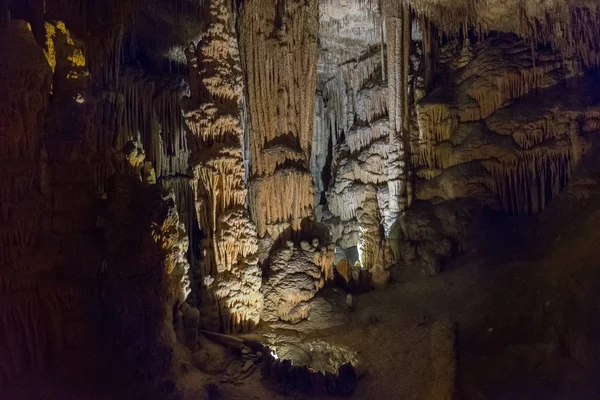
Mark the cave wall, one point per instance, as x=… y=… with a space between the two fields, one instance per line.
x=395 y=125
x=472 y=114
x=69 y=106
x=26 y=77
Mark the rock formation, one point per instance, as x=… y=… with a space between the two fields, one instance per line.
x=279 y=50
x=25 y=78
x=146 y=249
x=352 y=149
x=213 y=115
x=173 y=168
x=62 y=115
x=500 y=139
x=295 y=276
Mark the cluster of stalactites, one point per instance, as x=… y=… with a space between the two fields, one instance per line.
x=508 y=86
x=279 y=49
x=526 y=184
x=213 y=116
x=151 y=114
x=344 y=107
x=573 y=29
x=280 y=202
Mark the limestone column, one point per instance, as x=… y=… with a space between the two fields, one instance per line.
x=279 y=54
x=398 y=32
x=213 y=115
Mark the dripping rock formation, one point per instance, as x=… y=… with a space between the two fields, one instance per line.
x=205 y=199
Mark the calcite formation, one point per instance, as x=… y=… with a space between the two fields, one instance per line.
x=151 y=115
x=26 y=312
x=352 y=117
x=373 y=249
x=213 y=115
x=279 y=55
x=295 y=276
x=471 y=116
x=146 y=248
x=537 y=155
x=399 y=29
x=230 y=153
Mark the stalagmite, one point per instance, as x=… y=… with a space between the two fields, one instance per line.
x=296 y=276
x=213 y=115
x=373 y=249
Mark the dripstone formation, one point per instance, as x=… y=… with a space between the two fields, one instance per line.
x=175 y=173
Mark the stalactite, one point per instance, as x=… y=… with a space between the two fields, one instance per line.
x=571 y=28
x=506 y=87
x=152 y=115
x=526 y=183
x=360 y=138
x=277 y=55
x=429 y=173
x=537 y=132
x=351 y=78
x=279 y=210
x=436 y=123
x=213 y=115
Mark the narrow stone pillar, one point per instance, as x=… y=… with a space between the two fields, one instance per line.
x=398 y=32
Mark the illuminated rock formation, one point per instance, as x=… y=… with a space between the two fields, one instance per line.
x=279 y=55
x=449 y=136
x=228 y=154
x=152 y=116
x=352 y=117
x=374 y=252
x=399 y=26
x=213 y=115
x=295 y=276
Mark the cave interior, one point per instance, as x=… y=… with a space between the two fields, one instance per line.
x=271 y=199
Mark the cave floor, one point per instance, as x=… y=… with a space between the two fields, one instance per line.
x=505 y=298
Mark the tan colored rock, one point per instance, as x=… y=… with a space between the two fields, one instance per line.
x=213 y=115
x=276 y=56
